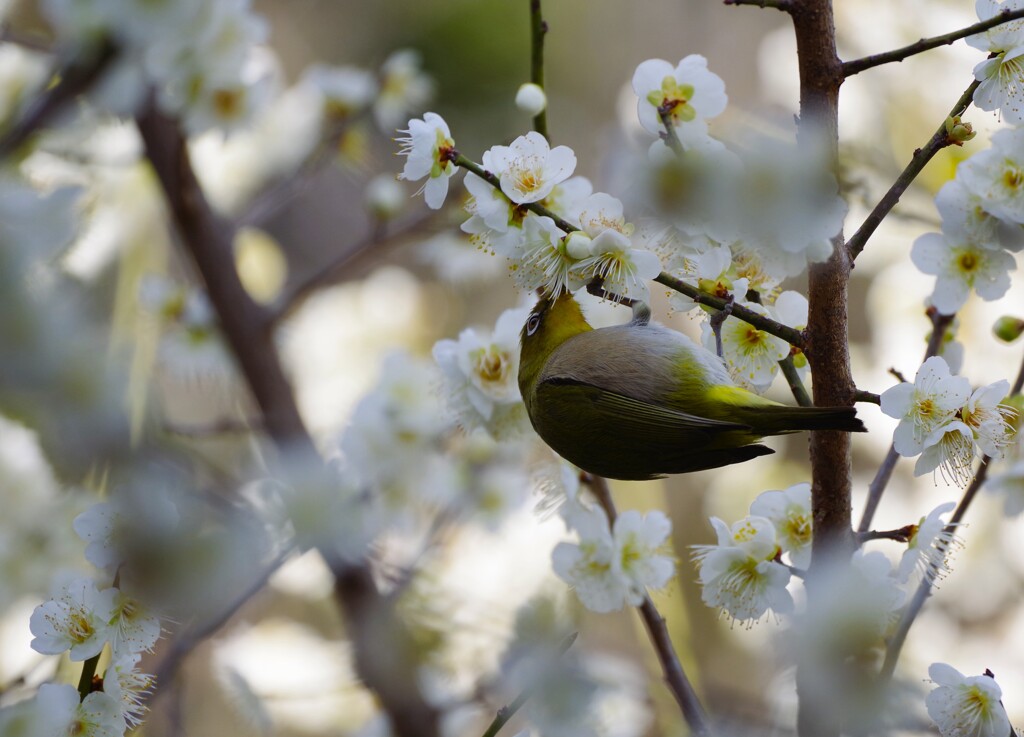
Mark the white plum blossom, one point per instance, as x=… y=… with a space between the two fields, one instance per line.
x=404 y=89
x=740 y=573
x=136 y=629
x=687 y=92
x=1010 y=485
x=429 y=147
x=612 y=568
x=712 y=271
x=609 y=253
x=928 y=404
x=990 y=419
x=480 y=376
x=791 y=308
x=1001 y=75
x=929 y=547
x=345 y=90
x=751 y=355
x=385 y=197
x=528 y=168
x=964 y=217
x=961 y=266
x=966 y=706
x=545 y=263
x=62 y=715
x=950 y=449
x=79 y=619
x=790 y=511
x=128 y=687
x=996 y=175
x=98 y=526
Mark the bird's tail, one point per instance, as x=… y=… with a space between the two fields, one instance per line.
x=781 y=419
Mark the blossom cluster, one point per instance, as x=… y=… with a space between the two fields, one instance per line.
x=744 y=573
x=82 y=619
x=557 y=234
x=946 y=423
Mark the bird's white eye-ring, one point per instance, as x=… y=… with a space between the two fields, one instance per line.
x=532 y=324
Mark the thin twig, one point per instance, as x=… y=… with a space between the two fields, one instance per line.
x=538 y=29
x=940 y=325
x=867 y=397
x=926 y=44
x=505 y=713
x=788 y=334
x=783 y=5
x=939 y=140
x=28 y=41
x=657 y=630
x=901 y=535
x=88 y=671
x=333 y=270
x=75 y=78
x=796 y=384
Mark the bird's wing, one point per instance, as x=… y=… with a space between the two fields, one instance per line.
x=634 y=416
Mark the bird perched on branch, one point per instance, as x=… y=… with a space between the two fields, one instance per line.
x=640 y=401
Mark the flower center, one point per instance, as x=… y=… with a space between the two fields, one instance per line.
x=968 y=261
x=490 y=365
x=1013 y=178
x=674 y=99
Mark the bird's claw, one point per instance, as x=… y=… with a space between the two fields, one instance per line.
x=716 y=321
x=641 y=313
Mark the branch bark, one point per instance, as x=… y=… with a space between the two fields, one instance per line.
x=384 y=651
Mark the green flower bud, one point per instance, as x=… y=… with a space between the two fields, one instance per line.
x=1008 y=328
x=958 y=132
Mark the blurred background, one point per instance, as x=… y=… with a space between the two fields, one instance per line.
x=407 y=281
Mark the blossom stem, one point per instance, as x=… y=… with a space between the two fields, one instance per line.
x=788 y=334
x=940 y=325
x=657 y=630
x=924 y=589
x=538 y=29
x=796 y=384
x=939 y=140
x=507 y=712
x=669 y=135
x=85 y=680
x=927 y=44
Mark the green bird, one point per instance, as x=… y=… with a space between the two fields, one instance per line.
x=640 y=401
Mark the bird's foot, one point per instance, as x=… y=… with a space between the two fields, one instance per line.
x=717 y=320
x=641 y=313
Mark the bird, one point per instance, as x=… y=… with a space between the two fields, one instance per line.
x=641 y=401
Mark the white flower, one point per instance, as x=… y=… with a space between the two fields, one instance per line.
x=637 y=541
x=713 y=272
x=98 y=714
x=740 y=574
x=751 y=355
x=688 y=92
x=924 y=406
x=610 y=569
x=949 y=448
x=989 y=419
x=128 y=687
x=589 y=566
x=429 y=147
x=611 y=257
x=545 y=263
x=530 y=98
x=345 y=90
x=1002 y=76
x=1009 y=483
x=964 y=217
x=480 y=375
x=929 y=547
x=97 y=526
x=996 y=175
x=135 y=628
x=960 y=266
x=529 y=169
x=790 y=512
x=77 y=619
x=404 y=89
x=791 y=308
x=966 y=706
x=385 y=196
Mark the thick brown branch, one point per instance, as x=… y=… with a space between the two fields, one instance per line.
x=926 y=44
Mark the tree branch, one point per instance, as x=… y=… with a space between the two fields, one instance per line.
x=538 y=29
x=383 y=648
x=675 y=676
x=926 y=44
x=783 y=5
x=939 y=140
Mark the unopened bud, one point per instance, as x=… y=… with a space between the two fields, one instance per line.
x=1008 y=328
x=531 y=99
x=577 y=245
x=957 y=132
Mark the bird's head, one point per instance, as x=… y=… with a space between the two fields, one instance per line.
x=552 y=321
